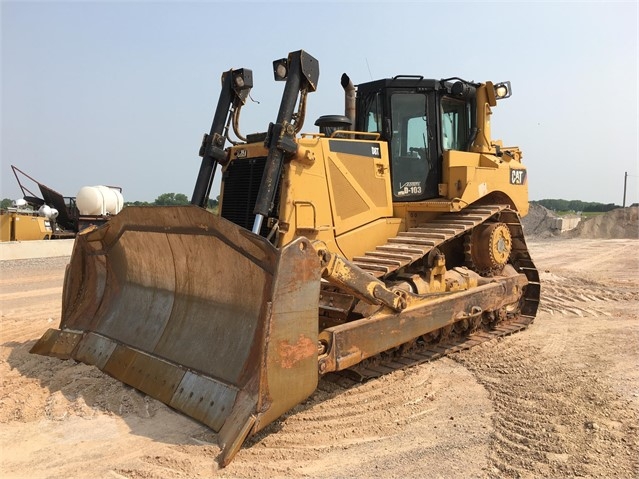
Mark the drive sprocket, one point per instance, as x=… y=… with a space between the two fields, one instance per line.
x=488 y=247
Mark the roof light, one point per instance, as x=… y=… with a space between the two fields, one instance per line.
x=280 y=69
x=502 y=90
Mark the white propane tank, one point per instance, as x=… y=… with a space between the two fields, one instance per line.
x=44 y=210
x=48 y=212
x=99 y=201
x=20 y=203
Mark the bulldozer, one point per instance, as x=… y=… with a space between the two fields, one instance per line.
x=389 y=232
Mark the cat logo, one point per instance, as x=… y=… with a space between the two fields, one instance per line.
x=517 y=177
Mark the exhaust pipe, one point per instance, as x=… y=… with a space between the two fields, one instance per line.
x=349 y=98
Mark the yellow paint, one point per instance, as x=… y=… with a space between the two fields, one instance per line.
x=18 y=226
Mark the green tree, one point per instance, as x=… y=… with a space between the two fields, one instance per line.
x=214 y=203
x=6 y=203
x=171 y=199
x=576 y=205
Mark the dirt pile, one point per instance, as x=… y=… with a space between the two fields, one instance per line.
x=621 y=223
x=540 y=222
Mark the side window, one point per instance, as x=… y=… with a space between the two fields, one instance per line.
x=374 y=115
x=454 y=124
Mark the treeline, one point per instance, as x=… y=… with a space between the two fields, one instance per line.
x=576 y=205
x=165 y=199
x=170 y=199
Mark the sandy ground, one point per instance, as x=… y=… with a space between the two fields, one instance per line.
x=558 y=400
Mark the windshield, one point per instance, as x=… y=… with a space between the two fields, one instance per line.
x=409 y=123
x=409 y=144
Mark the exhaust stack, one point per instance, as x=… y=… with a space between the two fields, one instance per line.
x=349 y=98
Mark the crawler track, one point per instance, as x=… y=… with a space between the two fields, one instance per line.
x=411 y=246
x=380 y=365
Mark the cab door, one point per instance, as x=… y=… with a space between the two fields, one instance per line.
x=414 y=163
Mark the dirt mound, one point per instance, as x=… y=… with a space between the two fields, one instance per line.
x=621 y=223
x=540 y=222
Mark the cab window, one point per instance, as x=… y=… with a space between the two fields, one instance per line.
x=455 y=121
x=373 y=118
x=409 y=145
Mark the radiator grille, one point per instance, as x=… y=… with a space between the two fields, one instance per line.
x=242 y=181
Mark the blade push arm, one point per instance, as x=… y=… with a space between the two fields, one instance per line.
x=236 y=85
x=301 y=72
x=352 y=279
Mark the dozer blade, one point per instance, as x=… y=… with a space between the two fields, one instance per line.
x=194 y=311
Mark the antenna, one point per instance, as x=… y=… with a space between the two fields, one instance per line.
x=369 y=68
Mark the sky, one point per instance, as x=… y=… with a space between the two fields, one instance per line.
x=120 y=93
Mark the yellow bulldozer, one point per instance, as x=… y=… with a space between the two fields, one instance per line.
x=389 y=234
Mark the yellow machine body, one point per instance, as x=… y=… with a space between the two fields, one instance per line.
x=345 y=200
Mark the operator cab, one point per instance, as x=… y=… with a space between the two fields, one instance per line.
x=419 y=119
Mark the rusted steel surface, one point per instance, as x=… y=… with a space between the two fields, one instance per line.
x=350 y=343
x=425 y=353
x=196 y=312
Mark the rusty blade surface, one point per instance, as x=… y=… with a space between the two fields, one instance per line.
x=196 y=312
